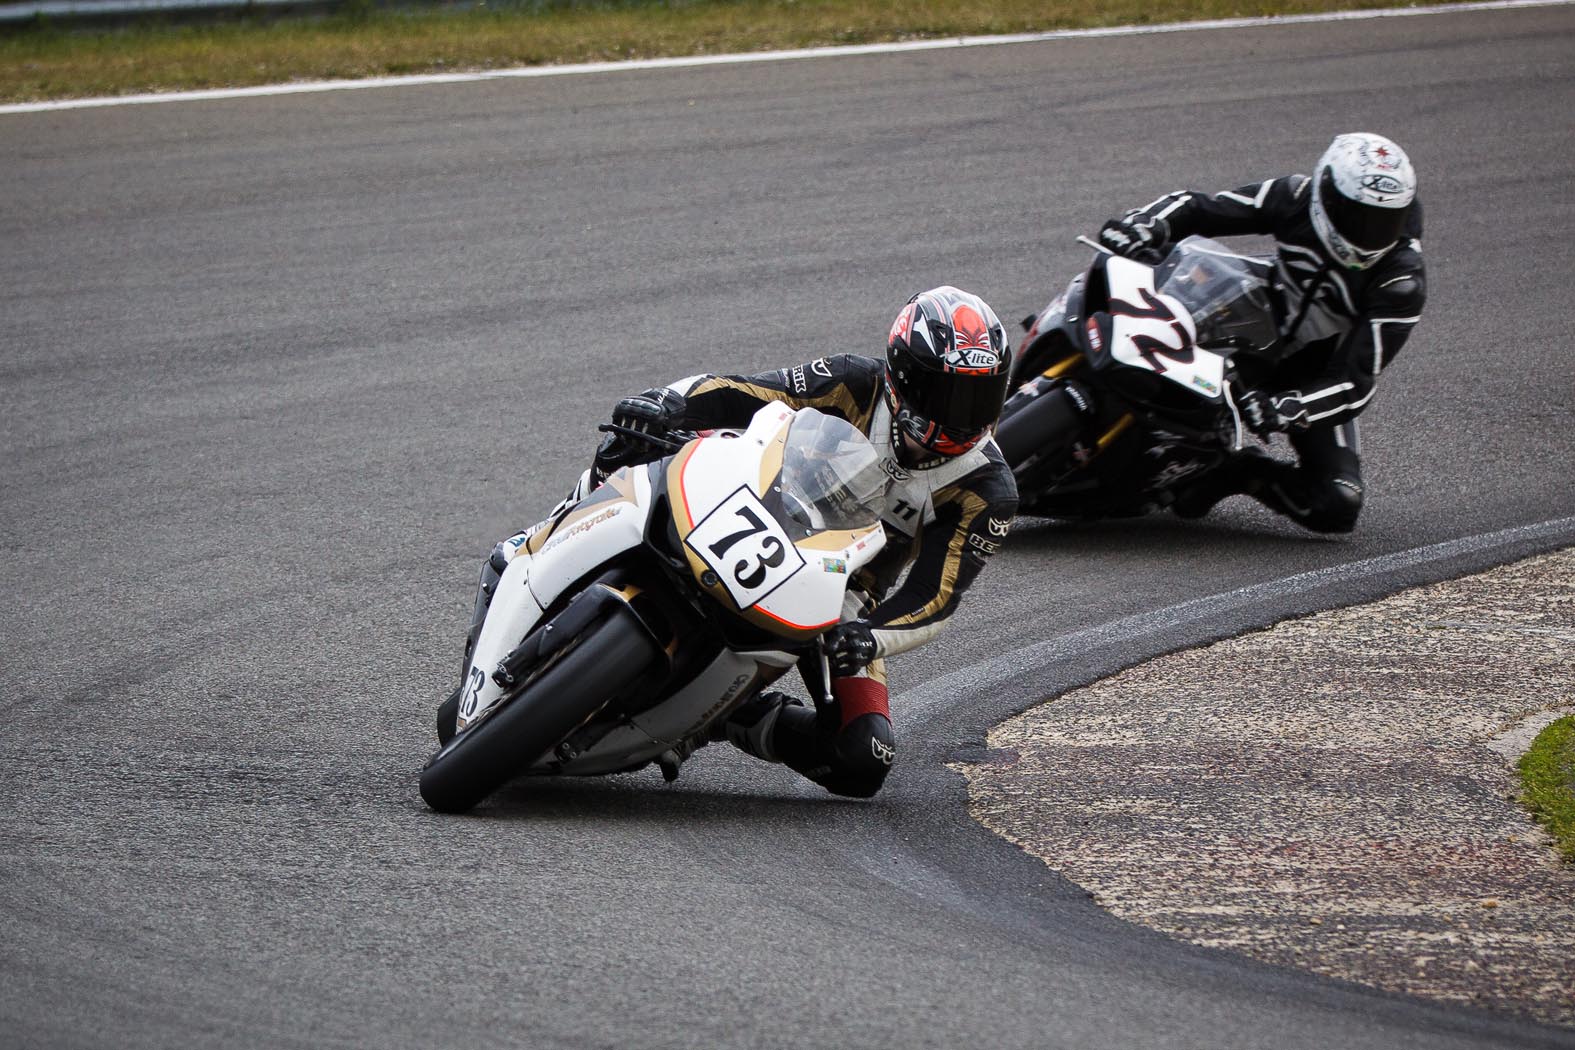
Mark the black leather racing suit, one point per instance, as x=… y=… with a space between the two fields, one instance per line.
x=943 y=522
x=1345 y=327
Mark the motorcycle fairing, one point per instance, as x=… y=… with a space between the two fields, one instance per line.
x=610 y=520
x=738 y=548
x=1154 y=331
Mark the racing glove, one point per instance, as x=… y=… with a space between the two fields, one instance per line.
x=1265 y=414
x=849 y=647
x=656 y=411
x=1135 y=237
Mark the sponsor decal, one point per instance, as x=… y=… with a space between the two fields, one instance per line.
x=999 y=527
x=884 y=753
x=579 y=527
x=835 y=565
x=821 y=367
x=1206 y=385
x=797 y=379
x=894 y=470
x=1382 y=185
x=1094 y=339
x=981 y=544
x=972 y=349
x=727 y=698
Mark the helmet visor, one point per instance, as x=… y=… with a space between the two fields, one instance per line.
x=1367 y=226
x=962 y=402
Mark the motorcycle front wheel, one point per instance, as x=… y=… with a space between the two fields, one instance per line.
x=609 y=657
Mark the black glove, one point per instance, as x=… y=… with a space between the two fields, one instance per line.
x=1136 y=237
x=849 y=647
x=1265 y=414
x=656 y=411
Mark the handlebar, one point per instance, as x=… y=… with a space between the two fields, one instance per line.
x=672 y=441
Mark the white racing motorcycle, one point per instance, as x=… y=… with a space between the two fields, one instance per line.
x=621 y=631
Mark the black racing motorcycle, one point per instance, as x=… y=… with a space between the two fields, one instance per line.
x=1127 y=388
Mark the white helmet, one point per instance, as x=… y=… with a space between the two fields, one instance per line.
x=1362 y=191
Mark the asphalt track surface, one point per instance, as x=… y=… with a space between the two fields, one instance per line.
x=275 y=373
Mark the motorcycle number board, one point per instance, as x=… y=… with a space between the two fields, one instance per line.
x=744 y=546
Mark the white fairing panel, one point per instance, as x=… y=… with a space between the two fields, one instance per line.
x=510 y=617
x=1154 y=331
x=577 y=548
x=644 y=736
x=533 y=582
x=743 y=544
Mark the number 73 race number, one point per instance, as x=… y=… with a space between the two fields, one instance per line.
x=743 y=544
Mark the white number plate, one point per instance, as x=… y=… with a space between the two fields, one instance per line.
x=743 y=544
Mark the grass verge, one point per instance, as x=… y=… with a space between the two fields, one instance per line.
x=1547 y=777
x=51 y=60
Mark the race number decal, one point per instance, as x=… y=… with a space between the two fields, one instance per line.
x=745 y=547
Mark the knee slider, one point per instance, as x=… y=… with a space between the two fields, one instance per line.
x=1338 y=506
x=865 y=749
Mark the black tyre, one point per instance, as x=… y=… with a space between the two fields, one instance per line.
x=1043 y=426
x=448 y=716
x=610 y=656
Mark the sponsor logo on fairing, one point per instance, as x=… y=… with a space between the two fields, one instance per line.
x=835 y=565
x=584 y=526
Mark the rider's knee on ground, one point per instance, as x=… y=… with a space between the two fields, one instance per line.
x=853 y=761
x=865 y=748
x=1321 y=504
x=1336 y=505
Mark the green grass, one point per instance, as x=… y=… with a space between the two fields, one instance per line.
x=1547 y=776
x=51 y=60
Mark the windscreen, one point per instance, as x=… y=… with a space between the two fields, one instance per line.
x=831 y=476
x=1228 y=301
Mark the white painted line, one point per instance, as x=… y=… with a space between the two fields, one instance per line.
x=309 y=87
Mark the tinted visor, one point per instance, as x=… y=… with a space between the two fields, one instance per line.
x=1368 y=227
x=960 y=402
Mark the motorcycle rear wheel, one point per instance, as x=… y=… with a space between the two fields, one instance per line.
x=609 y=656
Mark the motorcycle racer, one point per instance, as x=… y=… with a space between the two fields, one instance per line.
x=928 y=408
x=1349 y=286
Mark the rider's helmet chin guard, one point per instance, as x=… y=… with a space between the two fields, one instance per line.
x=947 y=366
x=1362 y=191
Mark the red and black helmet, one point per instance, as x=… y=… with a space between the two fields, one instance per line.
x=947 y=365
